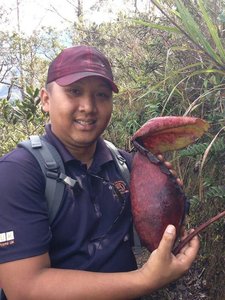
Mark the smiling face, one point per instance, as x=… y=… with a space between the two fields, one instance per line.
x=79 y=112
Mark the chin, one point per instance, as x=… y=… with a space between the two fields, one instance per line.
x=83 y=142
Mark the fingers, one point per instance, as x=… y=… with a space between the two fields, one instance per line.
x=160 y=157
x=180 y=182
x=192 y=246
x=170 y=167
x=189 y=253
x=167 y=241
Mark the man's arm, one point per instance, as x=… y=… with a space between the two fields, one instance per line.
x=33 y=278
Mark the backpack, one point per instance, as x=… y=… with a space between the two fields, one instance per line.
x=53 y=169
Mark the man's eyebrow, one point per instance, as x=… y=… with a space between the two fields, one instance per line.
x=105 y=84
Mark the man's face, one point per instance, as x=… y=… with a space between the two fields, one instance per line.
x=79 y=112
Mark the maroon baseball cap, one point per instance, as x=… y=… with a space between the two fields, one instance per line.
x=78 y=62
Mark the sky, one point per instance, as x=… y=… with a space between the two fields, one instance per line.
x=33 y=14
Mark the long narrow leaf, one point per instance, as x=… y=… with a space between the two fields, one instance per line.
x=170 y=95
x=212 y=29
x=203 y=162
x=177 y=72
x=199 y=72
x=193 y=29
x=158 y=26
x=196 y=102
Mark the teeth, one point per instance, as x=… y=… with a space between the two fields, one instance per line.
x=85 y=122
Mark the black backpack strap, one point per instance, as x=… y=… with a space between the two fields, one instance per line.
x=53 y=169
x=120 y=162
x=51 y=165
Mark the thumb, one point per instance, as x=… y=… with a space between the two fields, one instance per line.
x=167 y=241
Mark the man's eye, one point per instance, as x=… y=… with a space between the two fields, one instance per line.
x=103 y=95
x=74 y=91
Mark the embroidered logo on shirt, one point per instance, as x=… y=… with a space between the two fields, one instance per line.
x=7 y=238
x=121 y=186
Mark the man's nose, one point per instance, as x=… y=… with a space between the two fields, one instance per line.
x=88 y=103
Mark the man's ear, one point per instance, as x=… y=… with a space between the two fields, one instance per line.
x=44 y=95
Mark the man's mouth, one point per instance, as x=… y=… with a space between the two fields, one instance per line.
x=85 y=123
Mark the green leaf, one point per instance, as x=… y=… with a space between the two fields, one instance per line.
x=157 y=26
x=192 y=28
x=213 y=30
x=36 y=92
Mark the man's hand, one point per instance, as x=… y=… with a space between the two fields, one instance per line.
x=170 y=167
x=162 y=266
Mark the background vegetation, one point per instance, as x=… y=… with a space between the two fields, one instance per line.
x=169 y=60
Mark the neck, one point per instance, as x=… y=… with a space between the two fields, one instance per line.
x=84 y=154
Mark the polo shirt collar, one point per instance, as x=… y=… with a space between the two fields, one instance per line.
x=102 y=156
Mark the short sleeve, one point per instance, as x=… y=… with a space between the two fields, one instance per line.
x=24 y=227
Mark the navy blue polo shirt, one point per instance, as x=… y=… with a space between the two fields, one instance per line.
x=93 y=228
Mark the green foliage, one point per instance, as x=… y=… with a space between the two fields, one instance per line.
x=194 y=32
x=200 y=148
x=216 y=192
x=19 y=119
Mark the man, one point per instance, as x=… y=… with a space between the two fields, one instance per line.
x=87 y=251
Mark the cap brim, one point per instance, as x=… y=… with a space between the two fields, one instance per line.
x=69 y=79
